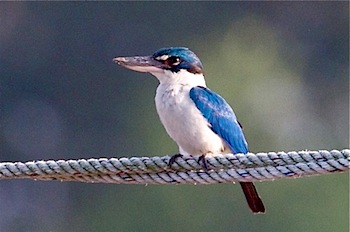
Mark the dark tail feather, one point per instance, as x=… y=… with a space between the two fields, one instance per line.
x=252 y=196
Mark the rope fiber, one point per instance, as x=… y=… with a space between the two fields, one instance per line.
x=186 y=170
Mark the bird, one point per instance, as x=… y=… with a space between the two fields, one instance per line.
x=199 y=120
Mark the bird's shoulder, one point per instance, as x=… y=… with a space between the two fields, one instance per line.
x=210 y=102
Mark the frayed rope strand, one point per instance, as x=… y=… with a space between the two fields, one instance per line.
x=186 y=170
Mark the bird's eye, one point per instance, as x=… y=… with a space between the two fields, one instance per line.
x=173 y=61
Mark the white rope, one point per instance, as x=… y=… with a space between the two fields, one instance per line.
x=186 y=170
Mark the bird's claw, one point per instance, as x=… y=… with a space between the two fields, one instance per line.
x=173 y=159
x=201 y=160
x=204 y=164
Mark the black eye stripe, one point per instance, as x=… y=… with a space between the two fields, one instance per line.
x=173 y=60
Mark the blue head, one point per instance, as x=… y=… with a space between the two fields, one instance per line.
x=173 y=59
x=177 y=58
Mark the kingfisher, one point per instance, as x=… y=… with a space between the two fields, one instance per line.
x=199 y=120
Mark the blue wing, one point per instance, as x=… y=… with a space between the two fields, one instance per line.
x=221 y=117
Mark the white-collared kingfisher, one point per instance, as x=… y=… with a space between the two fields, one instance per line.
x=199 y=120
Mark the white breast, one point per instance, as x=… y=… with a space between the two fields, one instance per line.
x=184 y=122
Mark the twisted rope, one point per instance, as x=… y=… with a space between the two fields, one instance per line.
x=186 y=170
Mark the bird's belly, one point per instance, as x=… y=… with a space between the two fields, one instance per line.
x=186 y=125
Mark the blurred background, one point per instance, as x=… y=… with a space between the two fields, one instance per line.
x=283 y=67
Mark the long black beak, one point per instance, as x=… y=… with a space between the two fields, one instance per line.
x=139 y=63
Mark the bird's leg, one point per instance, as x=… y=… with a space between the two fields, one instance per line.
x=173 y=159
x=202 y=160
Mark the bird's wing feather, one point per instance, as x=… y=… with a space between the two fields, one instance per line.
x=221 y=117
x=224 y=123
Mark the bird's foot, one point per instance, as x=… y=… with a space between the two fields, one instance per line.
x=173 y=159
x=201 y=160
x=204 y=164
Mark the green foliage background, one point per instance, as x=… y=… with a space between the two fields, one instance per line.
x=283 y=66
